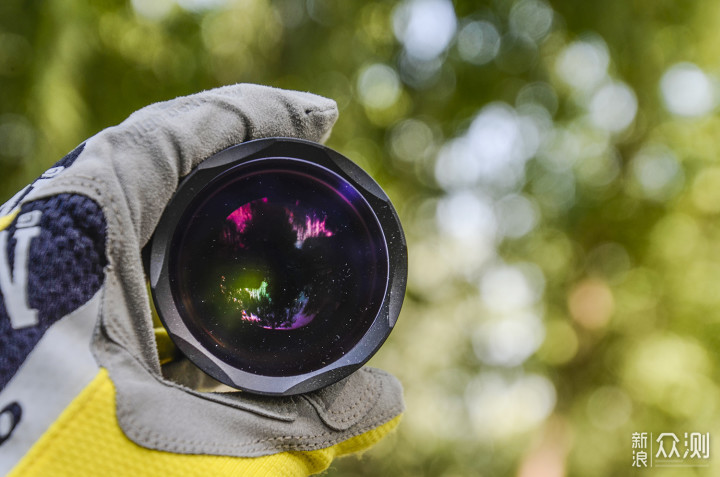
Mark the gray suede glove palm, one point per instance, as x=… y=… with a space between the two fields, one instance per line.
x=128 y=173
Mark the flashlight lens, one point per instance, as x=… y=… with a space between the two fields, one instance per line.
x=281 y=267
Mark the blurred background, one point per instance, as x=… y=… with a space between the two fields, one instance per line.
x=555 y=166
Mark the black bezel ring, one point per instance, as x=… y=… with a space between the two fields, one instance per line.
x=278 y=149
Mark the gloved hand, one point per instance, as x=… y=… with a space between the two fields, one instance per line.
x=82 y=388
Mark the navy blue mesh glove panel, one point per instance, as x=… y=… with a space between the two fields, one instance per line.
x=65 y=269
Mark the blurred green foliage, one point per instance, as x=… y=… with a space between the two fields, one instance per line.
x=555 y=165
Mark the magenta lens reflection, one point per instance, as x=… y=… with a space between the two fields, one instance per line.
x=301 y=229
x=279 y=264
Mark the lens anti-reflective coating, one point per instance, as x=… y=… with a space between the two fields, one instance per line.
x=281 y=266
x=295 y=225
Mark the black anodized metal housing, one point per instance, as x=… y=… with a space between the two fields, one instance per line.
x=298 y=155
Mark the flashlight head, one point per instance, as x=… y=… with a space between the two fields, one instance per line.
x=279 y=266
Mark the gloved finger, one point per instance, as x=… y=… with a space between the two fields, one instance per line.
x=139 y=163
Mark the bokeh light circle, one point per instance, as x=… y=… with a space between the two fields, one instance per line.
x=687 y=91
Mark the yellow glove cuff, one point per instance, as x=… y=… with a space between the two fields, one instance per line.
x=86 y=440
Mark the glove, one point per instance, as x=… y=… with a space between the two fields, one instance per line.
x=83 y=387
